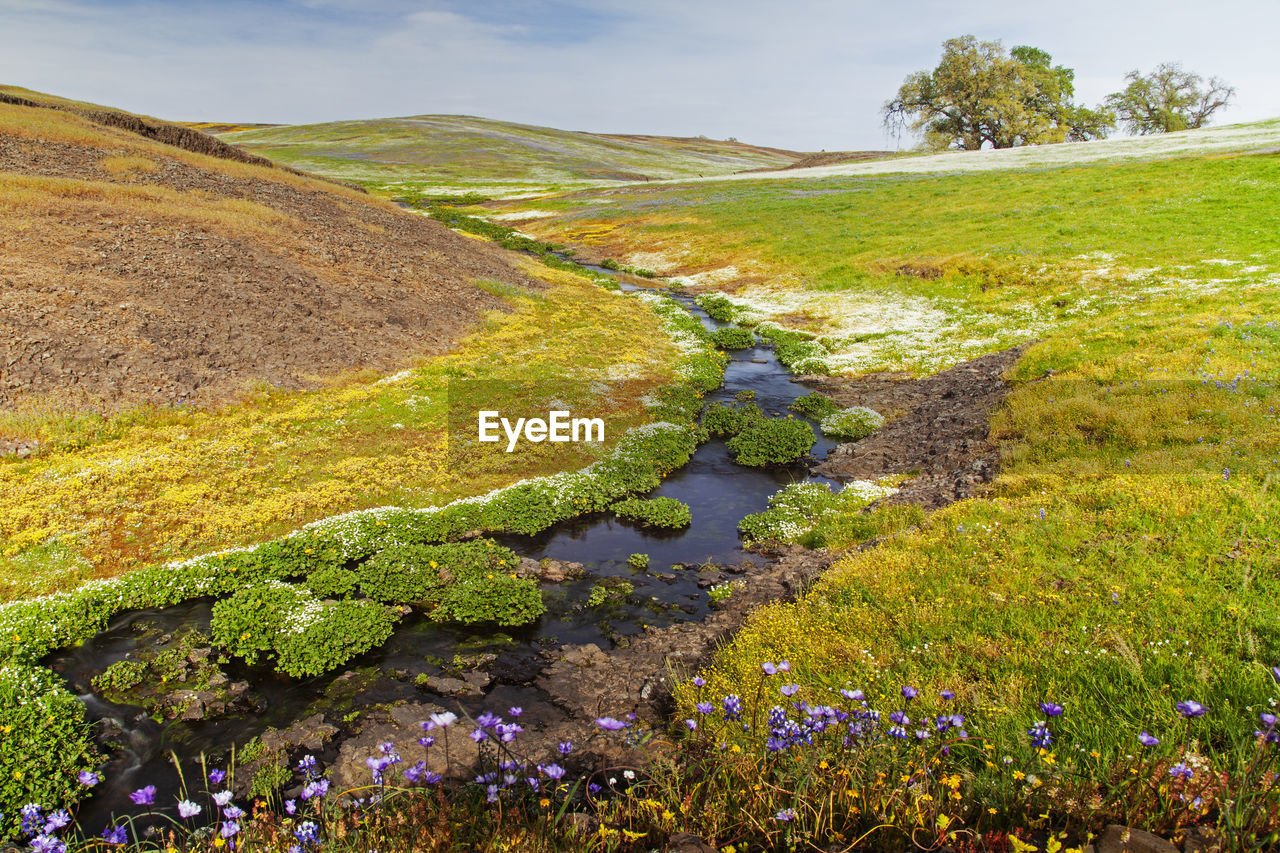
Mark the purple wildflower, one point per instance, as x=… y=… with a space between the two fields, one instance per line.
x=187 y=809
x=1191 y=708
x=144 y=796
x=909 y=692
x=565 y=747
x=315 y=789
x=115 y=835
x=1051 y=709
x=789 y=689
x=1147 y=740
x=88 y=778
x=216 y=776
x=609 y=724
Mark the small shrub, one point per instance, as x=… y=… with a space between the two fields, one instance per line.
x=304 y=635
x=772 y=442
x=721 y=592
x=246 y=624
x=732 y=337
x=654 y=512
x=815 y=406
x=638 y=561
x=853 y=423
x=798 y=351
x=121 y=677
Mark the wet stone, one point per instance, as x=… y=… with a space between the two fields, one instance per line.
x=452 y=686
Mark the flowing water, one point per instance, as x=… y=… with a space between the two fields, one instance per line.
x=718 y=492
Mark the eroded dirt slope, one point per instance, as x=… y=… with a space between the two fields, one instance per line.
x=133 y=271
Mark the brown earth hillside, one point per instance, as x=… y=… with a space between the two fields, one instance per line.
x=133 y=271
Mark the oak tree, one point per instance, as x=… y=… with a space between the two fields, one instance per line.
x=1168 y=99
x=982 y=95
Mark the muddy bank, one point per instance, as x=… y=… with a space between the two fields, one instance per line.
x=937 y=428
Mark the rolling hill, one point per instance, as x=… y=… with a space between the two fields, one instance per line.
x=467 y=150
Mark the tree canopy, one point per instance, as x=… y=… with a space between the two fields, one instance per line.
x=980 y=94
x=1168 y=99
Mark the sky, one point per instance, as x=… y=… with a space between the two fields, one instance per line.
x=805 y=75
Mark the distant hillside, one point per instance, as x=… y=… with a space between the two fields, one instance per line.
x=464 y=149
x=143 y=261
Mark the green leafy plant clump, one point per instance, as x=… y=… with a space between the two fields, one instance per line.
x=332 y=582
x=795 y=511
x=722 y=420
x=799 y=352
x=467 y=582
x=655 y=512
x=719 y=307
x=854 y=423
x=502 y=599
x=815 y=406
x=610 y=591
x=772 y=442
x=732 y=337
x=45 y=742
x=304 y=635
x=638 y=561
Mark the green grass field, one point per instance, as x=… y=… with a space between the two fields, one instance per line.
x=918 y=272
x=1123 y=561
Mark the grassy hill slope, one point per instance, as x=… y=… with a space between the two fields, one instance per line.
x=198 y=352
x=1122 y=564
x=468 y=150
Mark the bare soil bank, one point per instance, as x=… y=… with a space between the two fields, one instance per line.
x=130 y=276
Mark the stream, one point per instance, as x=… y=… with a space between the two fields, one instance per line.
x=718 y=492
